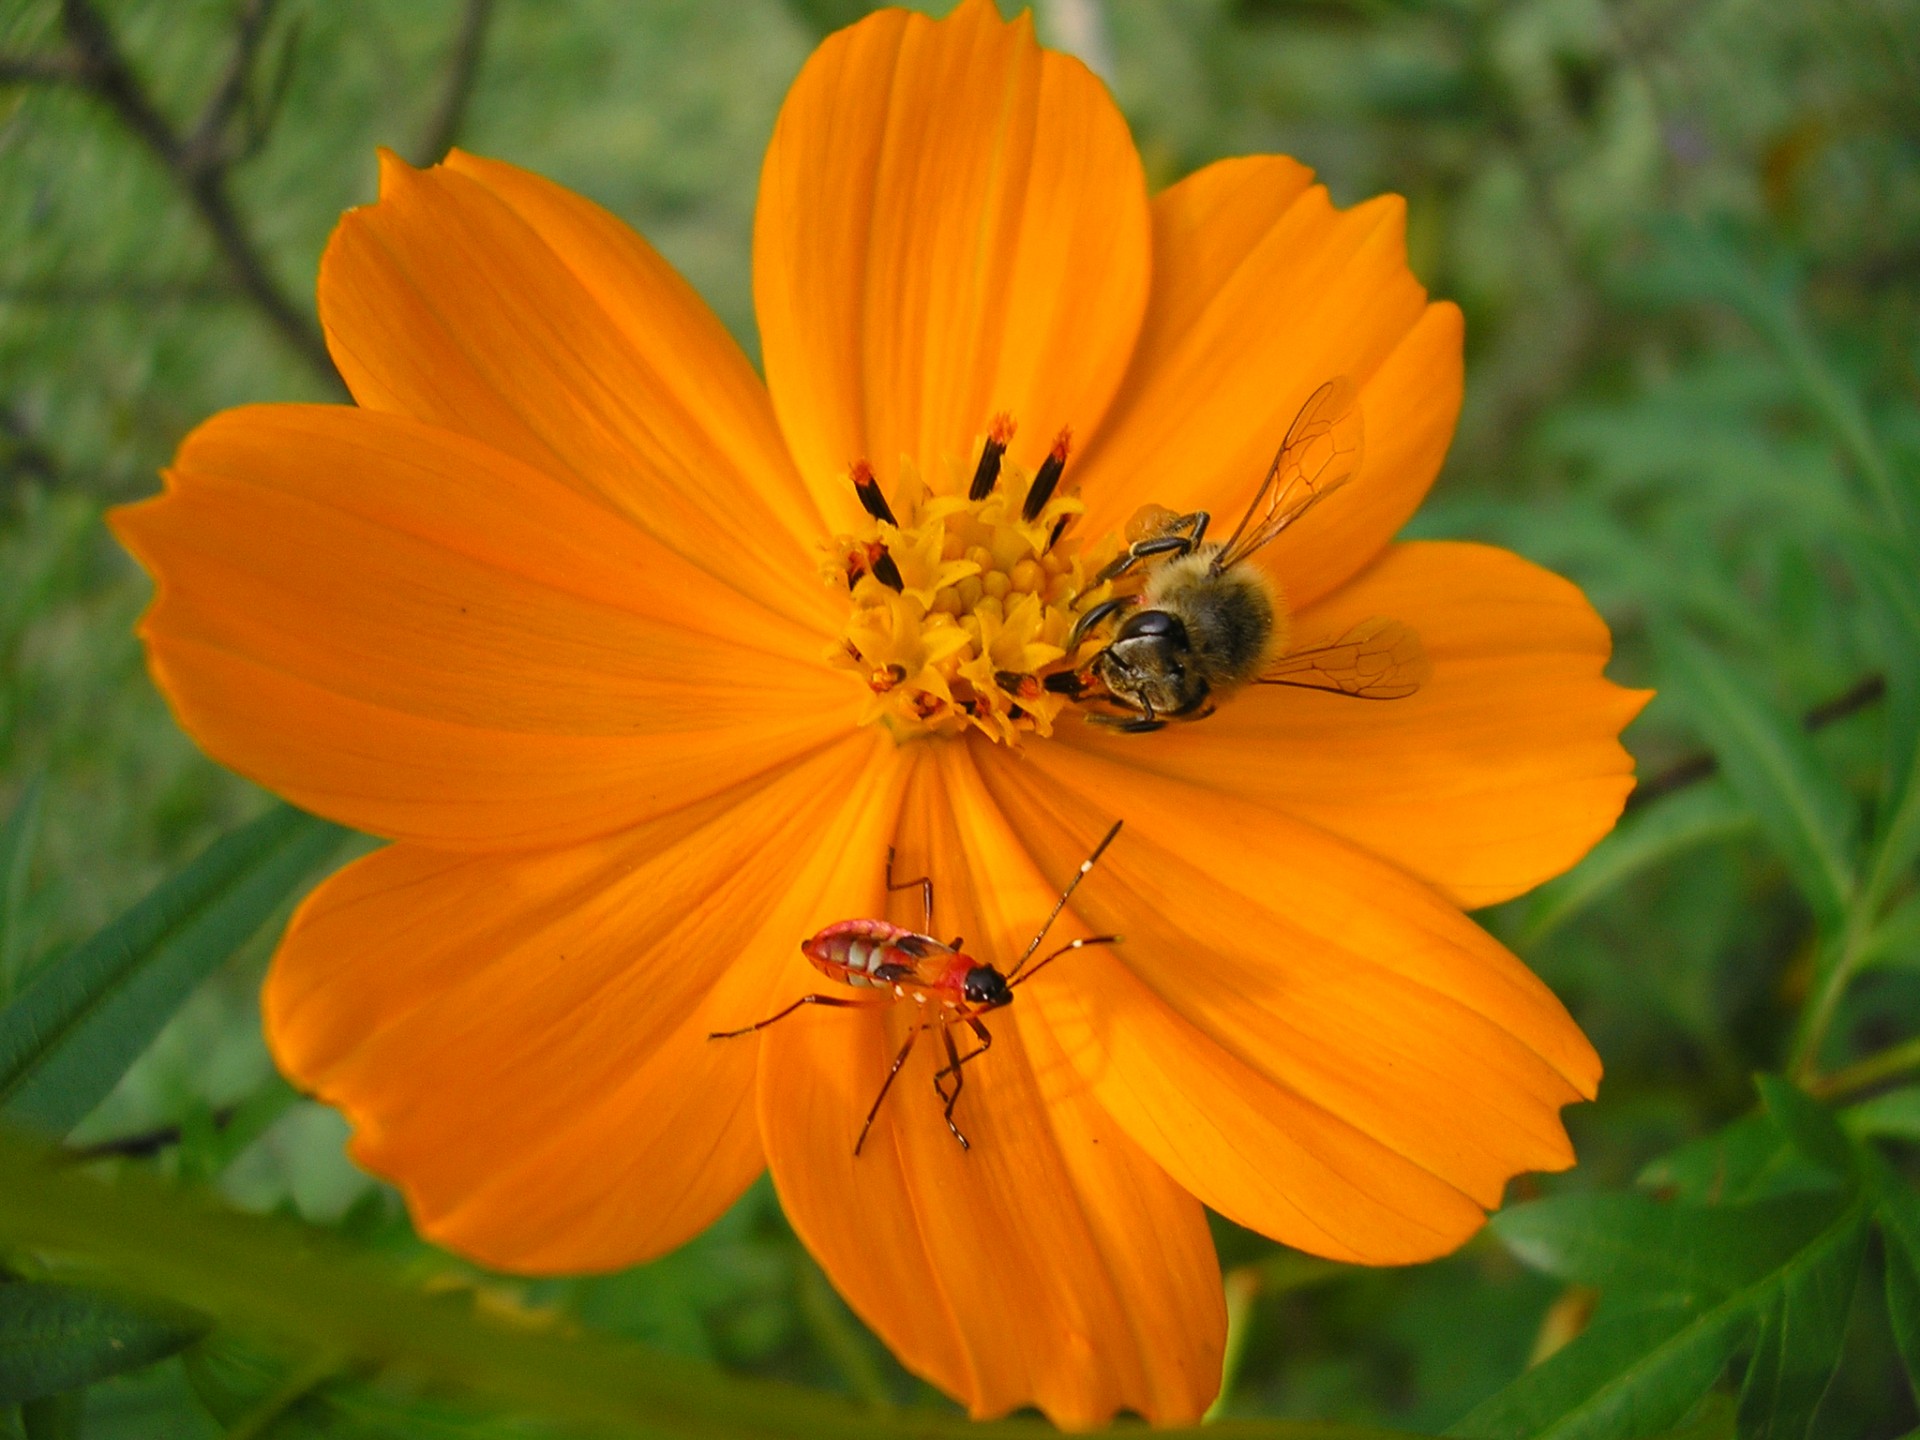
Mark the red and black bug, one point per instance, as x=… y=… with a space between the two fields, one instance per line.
x=953 y=987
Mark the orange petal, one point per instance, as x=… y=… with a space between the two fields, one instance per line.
x=1052 y=1263
x=1312 y=1043
x=1263 y=291
x=421 y=637
x=521 y=1041
x=952 y=222
x=1500 y=772
x=490 y=301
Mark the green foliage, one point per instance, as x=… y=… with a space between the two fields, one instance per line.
x=56 y=1338
x=1684 y=238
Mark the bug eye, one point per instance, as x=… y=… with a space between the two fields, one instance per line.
x=1151 y=623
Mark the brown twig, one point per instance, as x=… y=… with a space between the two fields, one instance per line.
x=463 y=67
x=1867 y=691
x=230 y=126
x=36 y=70
x=131 y=291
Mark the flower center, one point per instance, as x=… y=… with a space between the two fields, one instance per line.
x=964 y=588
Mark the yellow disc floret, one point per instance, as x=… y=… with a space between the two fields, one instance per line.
x=964 y=588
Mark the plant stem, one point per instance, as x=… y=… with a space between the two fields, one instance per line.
x=1864 y=1074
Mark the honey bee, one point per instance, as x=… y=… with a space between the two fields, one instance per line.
x=1206 y=623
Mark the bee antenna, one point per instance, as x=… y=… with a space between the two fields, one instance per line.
x=1061 y=903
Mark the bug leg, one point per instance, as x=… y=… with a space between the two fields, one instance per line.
x=954 y=1061
x=886 y=1085
x=832 y=1000
x=959 y=1078
x=926 y=893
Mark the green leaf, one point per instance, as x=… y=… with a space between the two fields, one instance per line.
x=1893 y=1115
x=1651 y=1250
x=1746 y=1160
x=1903 y=1309
x=1653 y=837
x=1807 y=1123
x=1628 y=1375
x=1636 y=1373
x=69 y=1037
x=57 y=1417
x=55 y=1338
x=1799 y=1345
x=1895 y=941
x=1803 y=808
x=312 y=1291
x=1886 y=574
x=16 y=859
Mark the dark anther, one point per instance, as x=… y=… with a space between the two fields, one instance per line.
x=1046 y=477
x=888 y=573
x=1064 y=682
x=1025 y=687
x=871 y=500
x=987 y=474
x=1059 y=529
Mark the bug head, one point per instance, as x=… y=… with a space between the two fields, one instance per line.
x=986 y=987
x=1150 y=667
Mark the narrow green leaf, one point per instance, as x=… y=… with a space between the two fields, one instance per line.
x=17 y=838
x=1799 y=1345
x=311 y=1290
x=1635 y=1245
x=1650 y=839
x=1807 y=1123
x=1803 y=808
x=69 y=1037
x=55 y=1338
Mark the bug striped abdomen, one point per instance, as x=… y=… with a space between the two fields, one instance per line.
x=867 y=952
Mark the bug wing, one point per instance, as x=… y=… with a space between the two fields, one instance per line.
x=919 y=961
x=1377 y=659
x=1320 y=454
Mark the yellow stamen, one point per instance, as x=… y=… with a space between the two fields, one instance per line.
x=958 y=604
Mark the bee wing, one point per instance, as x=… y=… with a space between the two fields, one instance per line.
x=1320 y=454
x=1377 y=659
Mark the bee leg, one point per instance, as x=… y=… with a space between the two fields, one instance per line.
x=1105 y=610
x=926 y=892
x=1145 y=550
x=1138 y=727
x=833 y=1000
x=886 y=1085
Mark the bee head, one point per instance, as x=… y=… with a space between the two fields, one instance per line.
x=986 y=987
x=1150 y=666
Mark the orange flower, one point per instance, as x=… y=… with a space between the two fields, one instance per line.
x=546 y=610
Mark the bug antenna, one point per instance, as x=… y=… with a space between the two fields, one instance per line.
x=1068 y=948
x=1061 y=903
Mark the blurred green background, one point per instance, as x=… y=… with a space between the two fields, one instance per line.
x=1686 y=235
